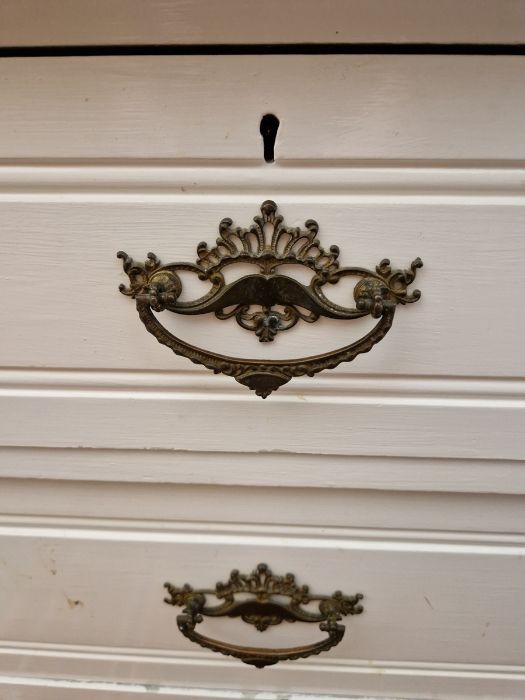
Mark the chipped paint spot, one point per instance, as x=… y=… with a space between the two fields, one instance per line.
x=72 y=603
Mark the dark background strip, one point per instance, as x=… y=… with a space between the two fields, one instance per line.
x=264 y=49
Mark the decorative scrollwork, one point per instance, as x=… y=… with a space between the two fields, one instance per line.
x=267 y=322
x=267 y=302
x=262 y=610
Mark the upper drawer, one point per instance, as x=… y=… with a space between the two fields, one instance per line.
x=330 y=107
x=394 y=156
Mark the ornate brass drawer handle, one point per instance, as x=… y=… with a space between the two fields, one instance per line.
x=261 y=610
x=266 y=302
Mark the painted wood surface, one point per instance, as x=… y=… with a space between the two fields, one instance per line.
x=66 y=22
x=122 y=466
x=427 y=391
x=403 y=426
x=430 y=516
x=440 y=597
x=412 y=683
x=207 y=107
x=394 y=474
x=465 y=323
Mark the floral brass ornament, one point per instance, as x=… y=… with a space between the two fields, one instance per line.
x=261 y=605
x=267 y=303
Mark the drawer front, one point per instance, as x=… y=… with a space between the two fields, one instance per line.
x=399 y=475
x=84 y=570
x=449 y=371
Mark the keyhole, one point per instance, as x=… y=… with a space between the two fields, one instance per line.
x=268 y=129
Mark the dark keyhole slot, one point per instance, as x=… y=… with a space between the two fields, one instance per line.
x=268 y=129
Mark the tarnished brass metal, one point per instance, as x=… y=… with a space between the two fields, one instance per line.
x=266 y=302
x=263 y=607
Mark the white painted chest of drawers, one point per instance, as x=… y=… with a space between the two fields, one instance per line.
x=399 y=475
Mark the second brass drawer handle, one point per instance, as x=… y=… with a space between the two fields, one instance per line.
x=262 y=609
x=267 y=303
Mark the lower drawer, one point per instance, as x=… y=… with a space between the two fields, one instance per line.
x=86 y=589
